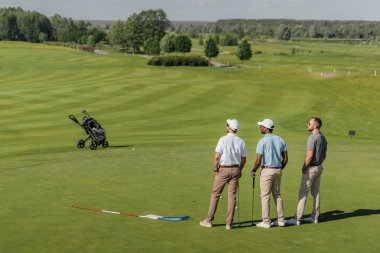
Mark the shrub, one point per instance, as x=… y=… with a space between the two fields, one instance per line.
x=182 y=44
x=175 y=60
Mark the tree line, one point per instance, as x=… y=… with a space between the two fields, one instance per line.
x=147 y=27
x=146 y=30
x=31 y=26
x=285 y=29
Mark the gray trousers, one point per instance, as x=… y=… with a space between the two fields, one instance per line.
x=311 y=180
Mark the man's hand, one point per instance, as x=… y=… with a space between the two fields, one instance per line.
x=253 y=173
x=216 y=162
x=308 y=159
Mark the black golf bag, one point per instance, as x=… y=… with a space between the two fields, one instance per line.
x=93 y=129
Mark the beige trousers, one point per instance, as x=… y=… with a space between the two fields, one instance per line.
x=224 y=176
x=270 y=182
x=311 y=180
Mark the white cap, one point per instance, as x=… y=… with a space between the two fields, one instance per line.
x=268 y=123
x=233 y=123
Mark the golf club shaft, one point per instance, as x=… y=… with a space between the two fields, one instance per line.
x=238 y=203
x=253 y=196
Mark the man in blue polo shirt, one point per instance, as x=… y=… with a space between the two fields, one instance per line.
x=272 y=156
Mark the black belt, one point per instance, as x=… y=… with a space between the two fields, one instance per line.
x=230 y=166
x=267 y=167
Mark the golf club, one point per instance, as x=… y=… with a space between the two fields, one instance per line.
x=238 y=204
x=253 y=174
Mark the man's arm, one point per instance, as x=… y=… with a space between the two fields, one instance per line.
x=308 y=159
x=284 y=159
x=216 y=161
x=243 y=160
x=257 y=163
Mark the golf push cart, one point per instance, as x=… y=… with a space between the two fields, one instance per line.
x=93 y=129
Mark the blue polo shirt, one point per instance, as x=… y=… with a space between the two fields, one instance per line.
x=271 y=147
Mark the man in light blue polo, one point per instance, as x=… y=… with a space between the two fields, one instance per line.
x=272 y=156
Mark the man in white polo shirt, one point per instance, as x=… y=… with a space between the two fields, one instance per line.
x=272 y=156
x=229 y=160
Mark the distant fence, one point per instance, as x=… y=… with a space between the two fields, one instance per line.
x=86 y=48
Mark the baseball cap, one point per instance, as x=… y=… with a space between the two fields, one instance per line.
x=233 y=123
x=268 y=123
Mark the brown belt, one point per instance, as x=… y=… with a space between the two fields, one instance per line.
x=230 y=166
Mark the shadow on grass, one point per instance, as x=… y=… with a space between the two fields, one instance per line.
x=241 y=224
x=324 y=217
x=338 y=214
x=120 y=146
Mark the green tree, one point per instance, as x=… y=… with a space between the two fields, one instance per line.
x=117 y=35
x=28 y=25
x=182 y=44
x=152 y=46
x=211 y=49
x=154 y=23
x=145 y=25
x=8 y=26
x=201 y=42
x=244 y=51
x=91 y=41
x=217 y=39
x=43 y=37
x=65 y=30
x=80 y=31
x=283 y=32
x=134 y=32
x=167 y=43
x=97 y=33
x=16 y=24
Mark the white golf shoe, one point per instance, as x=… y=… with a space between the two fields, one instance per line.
x=277 y=223
x=263 y=225
x=205 y=223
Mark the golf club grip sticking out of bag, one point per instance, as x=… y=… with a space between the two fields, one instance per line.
x=72 y=117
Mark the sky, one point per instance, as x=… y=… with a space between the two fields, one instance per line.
x=205 y=10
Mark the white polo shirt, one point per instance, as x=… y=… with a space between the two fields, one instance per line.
x=232 y=148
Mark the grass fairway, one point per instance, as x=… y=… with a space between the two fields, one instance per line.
x=173 y=117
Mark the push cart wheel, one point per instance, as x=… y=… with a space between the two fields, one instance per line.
x=93 y=145
x=80 y=143
x=105 y=144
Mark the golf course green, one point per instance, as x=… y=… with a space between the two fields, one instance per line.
x=163 y=124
